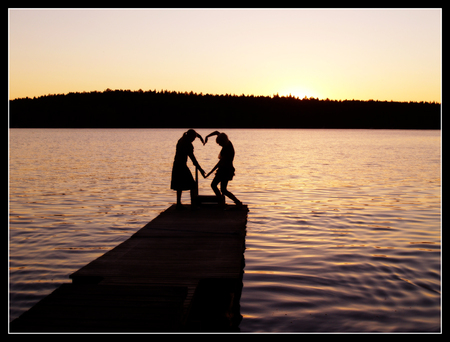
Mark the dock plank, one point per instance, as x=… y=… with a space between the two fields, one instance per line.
x=105 y=308
x=159 y=279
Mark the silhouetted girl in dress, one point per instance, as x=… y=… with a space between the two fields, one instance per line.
x=181 y=175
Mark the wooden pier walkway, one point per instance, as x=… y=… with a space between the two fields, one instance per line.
x=181 y=272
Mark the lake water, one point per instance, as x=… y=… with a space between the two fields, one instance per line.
x=343 y=233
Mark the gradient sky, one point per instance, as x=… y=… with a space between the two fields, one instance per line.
x=380 y=54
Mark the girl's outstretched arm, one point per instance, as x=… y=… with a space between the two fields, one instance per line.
x=201 y=139
x=214 y=169
x=211 y=134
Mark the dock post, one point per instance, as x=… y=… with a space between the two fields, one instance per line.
x=202 y=199
x=194 y=195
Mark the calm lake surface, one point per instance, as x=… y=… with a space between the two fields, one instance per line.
x=343 y=233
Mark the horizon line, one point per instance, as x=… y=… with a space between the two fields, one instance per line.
x=290 y=96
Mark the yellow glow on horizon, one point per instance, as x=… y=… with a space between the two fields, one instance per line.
x=300 y=92
x=337 y=54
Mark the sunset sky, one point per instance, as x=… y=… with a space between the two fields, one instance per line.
x=380 y=54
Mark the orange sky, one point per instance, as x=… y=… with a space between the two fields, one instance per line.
x=391 y=54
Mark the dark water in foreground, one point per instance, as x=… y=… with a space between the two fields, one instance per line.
x=343 y=233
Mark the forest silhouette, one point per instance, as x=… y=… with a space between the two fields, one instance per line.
x=171 y=109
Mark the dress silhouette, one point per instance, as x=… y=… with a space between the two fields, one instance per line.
x=225 y=169
x=181 y=175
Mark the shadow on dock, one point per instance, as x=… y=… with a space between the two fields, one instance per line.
x=182 y=272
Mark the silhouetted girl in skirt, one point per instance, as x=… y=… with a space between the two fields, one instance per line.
x=181 y=175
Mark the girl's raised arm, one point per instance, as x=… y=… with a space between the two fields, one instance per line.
x=211 y=134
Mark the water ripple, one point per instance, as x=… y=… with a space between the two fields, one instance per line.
x=343 y=233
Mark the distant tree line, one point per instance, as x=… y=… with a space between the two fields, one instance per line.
x=170 y=109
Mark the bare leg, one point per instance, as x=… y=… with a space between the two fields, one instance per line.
x=223 y=187
x=179 y=205
x=214 y=184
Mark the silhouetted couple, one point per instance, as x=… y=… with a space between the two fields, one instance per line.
x=181 y=175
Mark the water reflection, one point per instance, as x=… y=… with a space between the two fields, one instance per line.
x=344 y=226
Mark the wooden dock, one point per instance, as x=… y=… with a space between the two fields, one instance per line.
x=181 y=272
